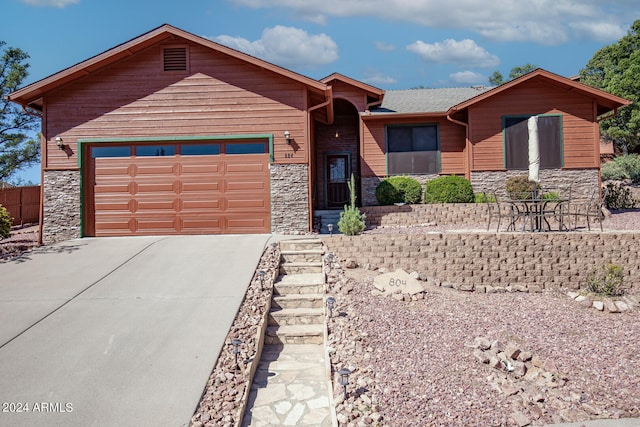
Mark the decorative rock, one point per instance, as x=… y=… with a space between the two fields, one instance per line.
x=480 y=356
x=598 y=305
x=525 y=356
x=520 y=419
x=519 y=368
x=482 y=343
x=572 y=295
x=512 y=351
x=610 y=306
x=622 y=306
x=398 y=280
x=350 y=263
x=583 y=301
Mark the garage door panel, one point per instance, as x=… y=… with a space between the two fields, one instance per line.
x=193 y=194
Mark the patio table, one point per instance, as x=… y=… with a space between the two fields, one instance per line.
x=536 y=211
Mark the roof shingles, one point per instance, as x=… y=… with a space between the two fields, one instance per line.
x=426 y=100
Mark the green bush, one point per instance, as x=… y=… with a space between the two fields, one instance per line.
x=449 y=189
x=484 y=198
x=622 y=167
x=5 y=222
x=606 y=280
x=519 y=187
x=617 y=196
x=351 y=221
x=399 y=189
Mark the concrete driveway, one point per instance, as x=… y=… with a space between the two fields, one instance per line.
x=118 y=331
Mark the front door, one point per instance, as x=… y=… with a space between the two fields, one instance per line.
x=337 y=175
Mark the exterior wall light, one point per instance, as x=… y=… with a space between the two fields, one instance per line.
x=344 y=380
x=287 y=137
x=59 y=142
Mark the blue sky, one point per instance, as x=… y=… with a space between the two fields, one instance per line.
x=390 y=44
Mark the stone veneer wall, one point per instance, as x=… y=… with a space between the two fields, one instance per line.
x=438 y=213
x=61 y=206
x=527 y=261
x=289 y=198
x=582 y=181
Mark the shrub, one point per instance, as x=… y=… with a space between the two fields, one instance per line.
x=399 y=189
x=5 y=222
x=606 y=280
x=622 y=167
x=519 y=187
x=484 y=198
x=552 y=196
x=351 y=221
x=617 y=196
x=449 y=189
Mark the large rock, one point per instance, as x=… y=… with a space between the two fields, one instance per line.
x=398 y=282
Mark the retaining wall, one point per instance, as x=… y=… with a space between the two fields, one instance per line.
x=530 y=261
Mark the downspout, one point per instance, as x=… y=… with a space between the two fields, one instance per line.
x=328 y=94
x=467 y=143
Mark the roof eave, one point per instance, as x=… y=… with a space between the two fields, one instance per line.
x=399 y=116
x=31 y=95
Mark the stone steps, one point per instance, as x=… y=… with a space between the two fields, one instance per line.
x=280 y=302
x=295 y=334
x=297 y=313
x=296 y=316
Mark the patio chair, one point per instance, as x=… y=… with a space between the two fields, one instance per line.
x=500 y=209
x=589 y=208
x=556 y=206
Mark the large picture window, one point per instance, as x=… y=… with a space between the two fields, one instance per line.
x=516 y=142
x=413 y=149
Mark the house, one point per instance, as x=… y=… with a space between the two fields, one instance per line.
x=171 y=133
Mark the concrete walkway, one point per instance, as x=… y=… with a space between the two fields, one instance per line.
x=290 y=388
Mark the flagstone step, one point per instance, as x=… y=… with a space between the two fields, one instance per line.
x=300 y=267
x=295 y=334
x=300 y=244
x=306 y=255
x=286 y=288
x=296 y=316
x=297 y=301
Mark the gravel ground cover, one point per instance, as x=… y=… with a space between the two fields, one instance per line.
x=420 y=362
x=21 y=240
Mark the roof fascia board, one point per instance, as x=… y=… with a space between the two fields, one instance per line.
x=355 y=83
x=400 y=116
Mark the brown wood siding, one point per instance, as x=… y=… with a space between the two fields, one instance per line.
x=485 y=123
x=452 y=143
x=135 y=98
x=352 y=94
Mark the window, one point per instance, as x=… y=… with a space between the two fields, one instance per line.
x=155 y=150
x=413 y=149
x=111 y=151
x=199 y=149
x=243 y=148
x=516 y=142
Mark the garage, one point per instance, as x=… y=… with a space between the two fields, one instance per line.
x=182 y=187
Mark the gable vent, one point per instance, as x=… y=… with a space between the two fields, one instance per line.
x=175 y=59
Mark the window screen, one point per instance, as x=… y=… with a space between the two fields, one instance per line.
x=413 y=149
x=516 y=139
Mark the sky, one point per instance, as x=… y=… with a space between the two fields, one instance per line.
x=390 y=44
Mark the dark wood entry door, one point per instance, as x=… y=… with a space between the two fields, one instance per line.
x=338 y=171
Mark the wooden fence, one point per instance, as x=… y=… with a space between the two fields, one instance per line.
x=23 y=203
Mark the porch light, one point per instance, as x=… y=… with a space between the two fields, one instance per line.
x=287 y=137
x=261 y=275
x=344 y=380
x=331 y=302
x=59 y=142
x=236 y=344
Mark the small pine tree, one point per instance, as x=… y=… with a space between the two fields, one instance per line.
x=351 y=220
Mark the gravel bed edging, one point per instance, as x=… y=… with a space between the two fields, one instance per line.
x=225 y=396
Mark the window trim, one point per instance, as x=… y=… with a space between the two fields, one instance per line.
x=526 y=117
x=438 y=150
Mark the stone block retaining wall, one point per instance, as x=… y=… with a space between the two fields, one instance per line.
x=531 y=261
x=438 y=213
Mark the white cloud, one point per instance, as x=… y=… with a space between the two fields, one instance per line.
x=384 y=46
x=467 y=77
x=465 y=53
x=376 y=78
x=50 y=3
x=287 y=47
x=542 y=21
